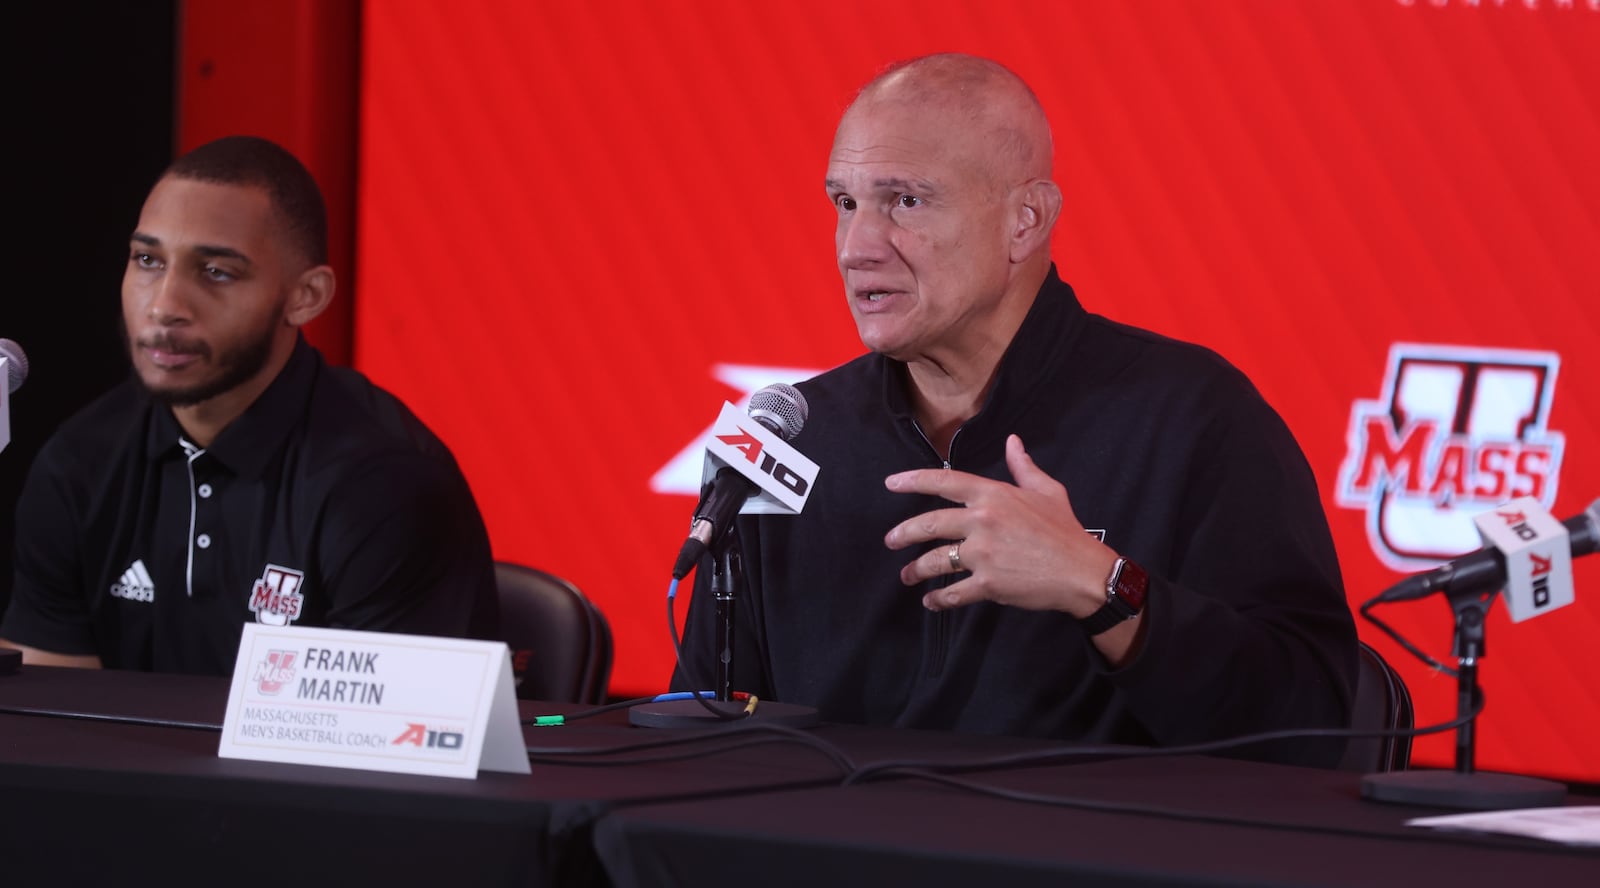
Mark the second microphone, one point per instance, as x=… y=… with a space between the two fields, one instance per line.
x=782 y=410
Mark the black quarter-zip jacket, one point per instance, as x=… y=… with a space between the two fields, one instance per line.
x=1162 y=445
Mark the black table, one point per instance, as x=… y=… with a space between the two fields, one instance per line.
x=106 y=802
x=1184 y=821
x=85 y=801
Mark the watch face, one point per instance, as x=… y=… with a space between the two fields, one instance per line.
x=1130 y=585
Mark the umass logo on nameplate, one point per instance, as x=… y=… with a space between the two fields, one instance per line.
x=377 y=701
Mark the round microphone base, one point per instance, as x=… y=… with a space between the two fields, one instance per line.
x=690 y=714
x=1482 y=791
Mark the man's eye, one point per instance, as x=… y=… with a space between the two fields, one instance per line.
x=845 y=202
x=214 y=273
x=908 y=200
x=144 y=260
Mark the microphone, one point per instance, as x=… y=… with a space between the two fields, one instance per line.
x=782 y=410
x=16 y=364
x=1485 y=569
x=16 y=370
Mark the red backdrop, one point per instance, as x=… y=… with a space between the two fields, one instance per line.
x=581 y=226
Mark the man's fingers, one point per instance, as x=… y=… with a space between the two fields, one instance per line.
x=958 y=594
x=1024 y=471
x=957 y=487
x=946 y=558
x=940 y=524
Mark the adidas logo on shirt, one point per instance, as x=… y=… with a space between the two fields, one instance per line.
x=135 y=584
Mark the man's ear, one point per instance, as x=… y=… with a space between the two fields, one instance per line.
x=1038 y=207
x=312 y=294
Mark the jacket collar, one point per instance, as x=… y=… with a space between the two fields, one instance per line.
x=1043 y=341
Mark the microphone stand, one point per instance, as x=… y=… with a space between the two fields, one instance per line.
x=1465 y=787
x=727 y=577
x=725 y=572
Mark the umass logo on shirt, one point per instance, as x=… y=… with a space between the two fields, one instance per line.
x=276 y=599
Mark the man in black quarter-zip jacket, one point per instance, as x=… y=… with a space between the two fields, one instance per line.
x=1031 y=520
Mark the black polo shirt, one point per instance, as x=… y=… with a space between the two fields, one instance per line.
x=327 y=503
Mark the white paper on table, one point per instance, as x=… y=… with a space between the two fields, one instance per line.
x=1571 y=825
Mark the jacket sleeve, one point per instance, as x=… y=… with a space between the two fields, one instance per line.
x=1248 y=628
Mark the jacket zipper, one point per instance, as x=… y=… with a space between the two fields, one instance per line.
x=940 y=620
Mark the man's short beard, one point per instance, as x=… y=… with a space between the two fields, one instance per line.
x=237 y=366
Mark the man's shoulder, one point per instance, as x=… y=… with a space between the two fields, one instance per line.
x=110 y=423
x=1190 y=386
x=348 y=406
x=1140 y=353
x=860 y=378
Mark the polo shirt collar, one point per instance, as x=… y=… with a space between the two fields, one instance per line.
x=251 y=440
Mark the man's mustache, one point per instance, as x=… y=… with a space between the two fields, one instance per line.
x=174 y=345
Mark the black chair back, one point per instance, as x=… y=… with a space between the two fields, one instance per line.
x=1382 y=703
x=560 y=641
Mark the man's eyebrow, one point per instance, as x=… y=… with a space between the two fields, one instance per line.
x=917 y=186
x=222 y=253
x=921 y=186
x=205 y=250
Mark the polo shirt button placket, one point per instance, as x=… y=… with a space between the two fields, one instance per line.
x=206 y=501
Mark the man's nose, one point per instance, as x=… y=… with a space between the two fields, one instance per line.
x=170 y=301
x=863 y=239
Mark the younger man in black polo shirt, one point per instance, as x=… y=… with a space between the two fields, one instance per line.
x=238 y=477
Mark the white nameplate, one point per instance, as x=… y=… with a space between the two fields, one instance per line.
x=783 y=475
x=377 y=701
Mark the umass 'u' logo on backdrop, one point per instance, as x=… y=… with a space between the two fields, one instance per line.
x=1457 y=431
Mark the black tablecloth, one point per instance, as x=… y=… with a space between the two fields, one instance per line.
x=84 y=800
x=1195 y=821
x=101 y=802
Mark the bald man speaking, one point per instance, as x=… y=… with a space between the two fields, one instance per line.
x=1033 y=520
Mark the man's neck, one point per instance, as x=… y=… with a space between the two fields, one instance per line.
x=942 y=400
x=203 y=422
x=947 y=390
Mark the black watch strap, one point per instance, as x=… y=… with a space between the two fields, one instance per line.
x=1125 y=591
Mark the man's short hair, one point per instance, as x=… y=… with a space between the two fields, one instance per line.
x=258 y=162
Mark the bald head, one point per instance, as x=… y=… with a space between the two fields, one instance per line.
x=983 y=98
x=940 y=174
